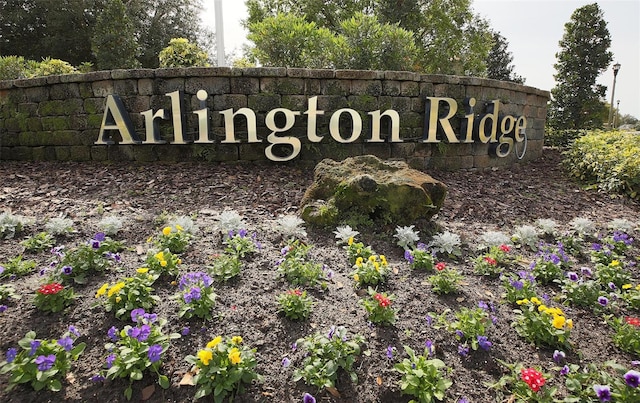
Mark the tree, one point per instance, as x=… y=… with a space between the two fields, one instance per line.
x=113 y=41
x=182 y=53
x=499 y=61
x=584 y=54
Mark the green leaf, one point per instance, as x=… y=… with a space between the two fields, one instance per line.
x=55 y=385
x=163 y=381
x=128 y=392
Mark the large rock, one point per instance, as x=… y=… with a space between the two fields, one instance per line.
x=383 y=191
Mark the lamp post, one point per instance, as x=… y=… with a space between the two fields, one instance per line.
x=616 y=68
x=217 y=7
x=615 y=120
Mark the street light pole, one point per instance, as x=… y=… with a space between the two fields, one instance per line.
x=616 y=68
x=217 y=9
x=617 y=118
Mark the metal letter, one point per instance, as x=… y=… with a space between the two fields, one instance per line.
x=176 y=114
x=203 y=119
x=334 y=125
x=432 y=118
x=521 y=126
x=229 y=128
x=467 y=125
x=115 y=117
x=492 y=114
x=376 y=116
x=273 y=139
x=151 y=126
x=312 y=122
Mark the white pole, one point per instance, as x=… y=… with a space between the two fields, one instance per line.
x=217 y=7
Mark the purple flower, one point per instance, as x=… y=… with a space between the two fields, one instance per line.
x=559 y=356
x=66 y=270
x=185 y=331
x=110 y=360
x=463 y=350
x=136 y=313
x=145 y=331
x=149 y=317
x=587 y=272
x=565 y=370
x=603 y=392
x=243 y=233
x=572 y=275
x=11 y=354
x=429 y=319
x=463 y=400
x=612 y=286
x=45 y=362
x=294 y=346
x=635 y=363
x=484 y=343
x=74 y=330
x=3 y=308
x=134 y=332
x=459 y=333
x=331 y=332
x=494 y=319
x=596 y=247
x=429 y=347
x=97 y=378
x=389 y=352
x=100 y=236
x=66 y=343
x=307 y=398
x=483 y=305
x=603 y=300
x=192 y=295
x=517 y=284
x=632 y=378
x=95 y=244
x=34 y=346
x=113 y=333
x=154 y=352
x=408 y=256
x=286 y=362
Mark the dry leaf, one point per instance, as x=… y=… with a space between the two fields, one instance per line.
x=187 y=379
x=379 y=380
x=460 y=299
x=148 y=392
x=139 y=249
x=334 y=392
x=71 y=378
x=395 y=270
x=339 y=285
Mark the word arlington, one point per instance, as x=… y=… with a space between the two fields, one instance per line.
x=502 y=131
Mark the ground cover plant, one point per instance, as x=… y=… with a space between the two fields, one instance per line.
x=223 y=304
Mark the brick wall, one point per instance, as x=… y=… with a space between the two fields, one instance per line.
x=59 y=117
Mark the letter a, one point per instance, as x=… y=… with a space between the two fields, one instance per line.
x=116 y=118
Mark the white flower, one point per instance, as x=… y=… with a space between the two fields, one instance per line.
x=447 y=242
x=407 y=237
x=343 y=234
x=291 y=226
x=230 y=220
x=110 y=225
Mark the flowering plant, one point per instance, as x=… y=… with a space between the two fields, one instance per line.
x=130 y=293
x=42 y=363
x=163 y=262
x=372 y=271
x=17 y=267
x=39 y=242
x=225 y=267
x=325 y=355
x=223 y=367
x=582 y=291
x=53 y=297
x=136 y=349
x=627 y=333
x=542 y=325
x=422 y=377
x=611 y=247
x=357 y=249
x=524 y=385
x=613 y=273
x=94 y=256
x=295 y=266
x=173 y=238
x=344 y=233
x=419 y=257
x=446 y=243
x=593 y=382
x=446 y=280
x=492 y=263
x=469 y=326
x=518 y=286
x=196 y=296
x=407 y=237
x=295 y=304
x=550 y=263
x=8 y=292
x=239 y=244
x=378 y=306
x=631 y=295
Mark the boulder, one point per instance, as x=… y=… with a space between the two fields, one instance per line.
x=382 y=191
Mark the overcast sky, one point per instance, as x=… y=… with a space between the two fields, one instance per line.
x=533 y=29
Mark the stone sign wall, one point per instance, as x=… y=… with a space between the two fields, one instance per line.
x=63 y=117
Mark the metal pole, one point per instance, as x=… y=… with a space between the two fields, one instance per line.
x=615 y=120
x=616 y=68
x=217 y=7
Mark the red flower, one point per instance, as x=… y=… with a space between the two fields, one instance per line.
x=441 y=266
x=382 y=300
x=533 y=378
x=490 y=260
x=505 y=248
x=295 y=292
x=632 y=321
x=50 y=289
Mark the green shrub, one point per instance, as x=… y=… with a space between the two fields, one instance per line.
x=561 y=138
x=182 y=53
x=607 y=160
x=13 y=67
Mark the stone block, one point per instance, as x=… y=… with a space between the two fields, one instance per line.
x=244 y=85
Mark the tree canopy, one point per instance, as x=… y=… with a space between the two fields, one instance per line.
x=584 y=54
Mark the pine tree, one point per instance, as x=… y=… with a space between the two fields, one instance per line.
x=499 y=61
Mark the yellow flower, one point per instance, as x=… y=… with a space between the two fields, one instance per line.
x=372 y=258
x=383 y=259
x=166 y=231
x=214 y=342
x=236 y=339
x=179 y=228
x=554 y=311
x=542 y=308
x=174 y=282
x=179 y=261
x=118 y=299
x=234 y=356
x=142 y=270
x=149 y=239
x=376 y=265
x=638 y=287
x=522 y=301
x=205 y=356
x=570 y=323
x=159 y=255
x=116 y=288
x=359 y=261
x=536 y=301
x=626 y=286
x=350 y=241
x=558 y=321
x=614 y=263
x=102 y=290
x=163 y=263
x=356 y=277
